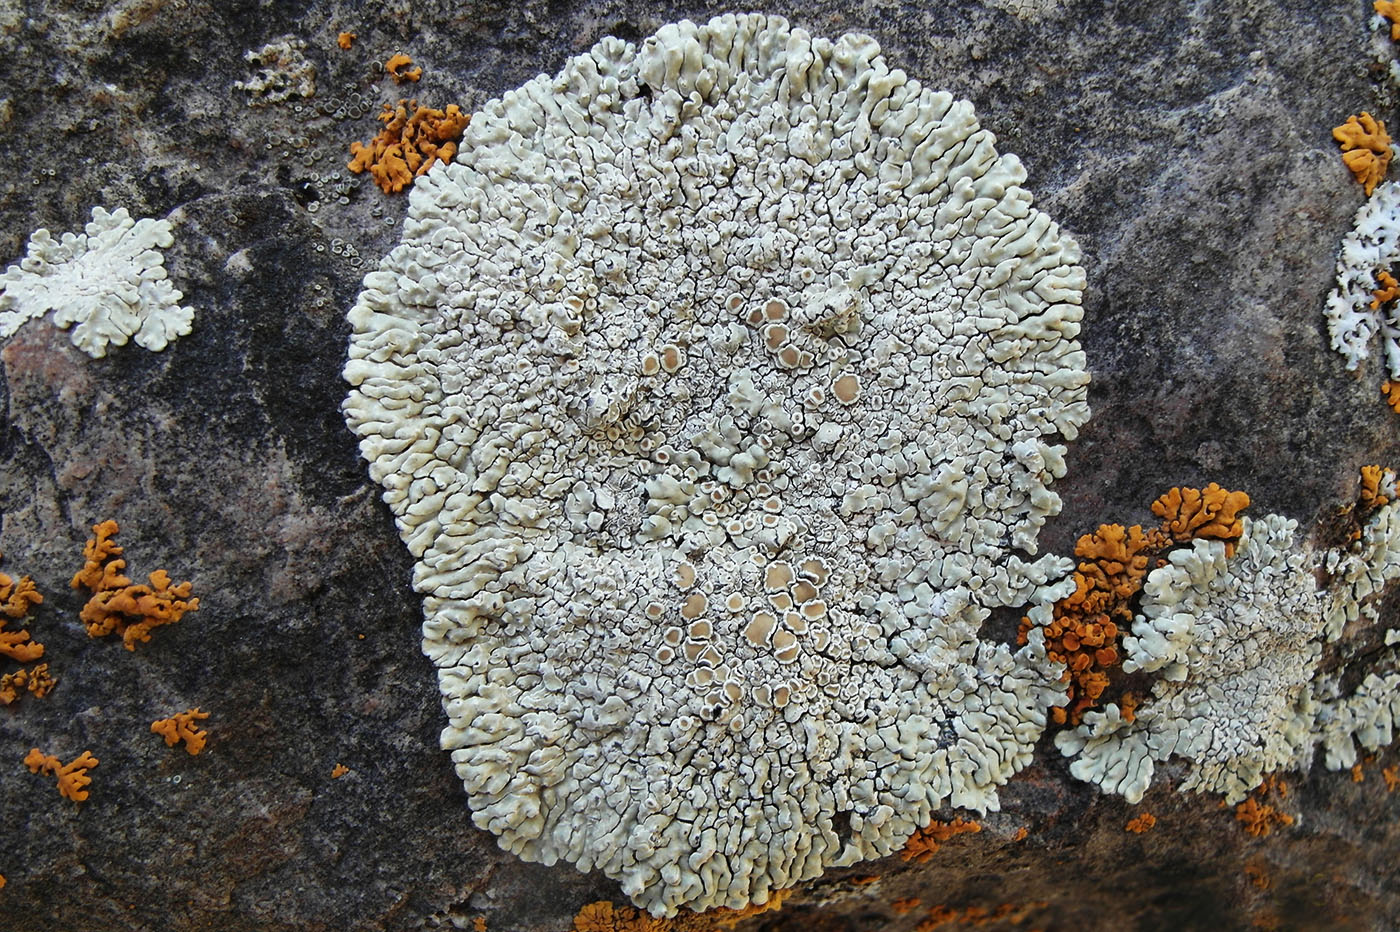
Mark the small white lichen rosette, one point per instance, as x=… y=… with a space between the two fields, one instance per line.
x=715 y=388
x=107 y=283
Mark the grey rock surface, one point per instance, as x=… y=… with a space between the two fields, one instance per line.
x=1185 y=145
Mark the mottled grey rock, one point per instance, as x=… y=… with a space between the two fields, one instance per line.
x=1186 y=146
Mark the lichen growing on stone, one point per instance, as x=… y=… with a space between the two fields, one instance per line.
x=1236 y=644
x=1354 y=317
x=72 y=777
x=413 y=139
x=717 y=388
x=281 y=72
x=116 y=604
x=17 y=598
x=397 y=67
x=924 y=843
x=35 y=680
x=108 y=283
x=1365 y=149
x=182 y=727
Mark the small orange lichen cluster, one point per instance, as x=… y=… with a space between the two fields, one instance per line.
x=345 y=40
x=1365 y=149
x=1388 y=291
x=35 y=680
x=1141 y=823
x=906 y=906
x=1021 y=834
x=181 y=727
x=922 y=844
x=1391 y=776
x=604 y=916
x=1008 y=913
x=397 y=68
x=72 y=777
x=1257 y=876
x=409 y=144
x=1084 y=630
x=479 y=924
x=1371 y=496
x=16 y=599
x=338 y=771
x=1258 y=817
x=1391 y=390
x=1390 y=9
x=118 y=606
x=1357 y=775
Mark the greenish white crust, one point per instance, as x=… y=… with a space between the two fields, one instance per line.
x=1237 y=643
x=107 y=283
x=715 y=388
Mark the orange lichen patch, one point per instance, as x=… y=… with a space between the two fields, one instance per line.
x=1365 y=149
x=1371 y=478
x=1388 y=291
x=181 y=727
x=17 y=597
x=117 y=605
x=865 y=880
x=906 y=906
x=345 y=39
x=72 y=777
x=1257 y=876
x=978 y=916
x=413 y=139
x=1085 y=626
x=1211 y=513
x=1390 y=9
x=1357 y=774
x=1022 y=834
x=1391 y=390
x=1141 y=824
x=922 y=844
x=397 y=67
x=1259 y=818
x=35 y=680
x=479 y=924
x=2 y=881
x=338 y=771
x=604 y=916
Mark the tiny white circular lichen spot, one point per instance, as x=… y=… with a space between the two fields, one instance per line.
x=715 y=388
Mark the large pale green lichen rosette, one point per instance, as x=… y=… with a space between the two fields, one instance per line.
x=716 y=389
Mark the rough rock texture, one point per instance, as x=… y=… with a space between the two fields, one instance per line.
x=1186 y=147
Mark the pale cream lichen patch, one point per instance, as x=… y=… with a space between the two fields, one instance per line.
x=107 y=283
x=281 y=71
x=1354 y=315
x=1236 y=643
x=716 y=388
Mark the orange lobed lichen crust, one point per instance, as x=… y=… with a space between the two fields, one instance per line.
x=1371 y=495
x=117 y=605
x=906 y=906
x=345 y=39
x=1391 y=390
x=181 y=727
x=72 y=777
x=1365 y=149
x=922 y=844
x=1258 y=817
x=36 y=680
x=1391 y=775
x=1084 y=630
x=397 y=67
x=16 y=599
x=409 y=144
x=1388 y=291
x=978 y=916
x=338 y=771
x=604 y=916
x=1141 y=823
x=1390 y=9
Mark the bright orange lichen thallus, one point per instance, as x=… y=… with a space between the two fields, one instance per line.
x=116 y=605
x=1085 y=626
x=72 y=777
x=604 y=916
x=1258 y=817
x=397 y=67
x=338 y=771
x=1371 y=495
x=181 y=727
x=1390 y=9
x=36 y=681
x=1365 y=149
x=1141 y=823
x=1391 y=390
x=16 y=599
x=345 y=40
x=409 y=144
x=923 y=843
